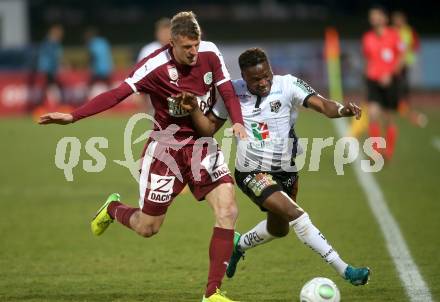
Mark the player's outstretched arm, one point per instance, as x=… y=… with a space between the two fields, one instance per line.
x=333 y=109
x=56 y=118
x=205 y=125
x=100 y=103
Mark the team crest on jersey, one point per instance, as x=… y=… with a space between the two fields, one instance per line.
x=172 y=72
x=275 y=106
x=207 y=78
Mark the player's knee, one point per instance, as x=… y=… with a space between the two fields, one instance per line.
x=148 y=230
x=227 y=213
x=278 y=228
x=280 y=232
x=230 y=211
x=293 y=213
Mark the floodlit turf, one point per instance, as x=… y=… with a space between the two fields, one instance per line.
x=47 y=252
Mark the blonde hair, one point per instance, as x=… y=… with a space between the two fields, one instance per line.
x=185 y=24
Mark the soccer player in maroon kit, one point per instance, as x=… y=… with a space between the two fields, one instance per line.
x=382 y=49
x=172 y=152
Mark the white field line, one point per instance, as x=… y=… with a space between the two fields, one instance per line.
x=416 y=288
x=436 y=143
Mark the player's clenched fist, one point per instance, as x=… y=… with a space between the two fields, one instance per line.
x=351 y=109
x=56 y=118
x=187 y=100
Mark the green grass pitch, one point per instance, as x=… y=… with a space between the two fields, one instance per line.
x=47 y=252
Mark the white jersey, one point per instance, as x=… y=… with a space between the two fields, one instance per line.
x=148 y=50
x=269 y=123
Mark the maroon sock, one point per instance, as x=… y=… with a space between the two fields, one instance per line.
x=121 y=212
x=220 y=250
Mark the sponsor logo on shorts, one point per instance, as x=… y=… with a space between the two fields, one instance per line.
x=260 y=182
x=247 y=180
x=161 y=188
x=215 y=165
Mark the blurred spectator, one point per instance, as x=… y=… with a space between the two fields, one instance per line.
x=382 y=50
x=411 y=44
x=47 y=66
x=163 y=36
x=101 y=62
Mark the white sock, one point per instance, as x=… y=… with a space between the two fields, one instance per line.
x=256 y=236
x=313 y=238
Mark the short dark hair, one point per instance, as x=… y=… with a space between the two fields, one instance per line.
x=185 y=24
x=252 y=57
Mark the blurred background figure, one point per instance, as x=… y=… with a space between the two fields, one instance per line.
x=44 y=75
x=162 y=32
x=382 y=50
x=411 y=44
x=163 y=36
x=100 y=60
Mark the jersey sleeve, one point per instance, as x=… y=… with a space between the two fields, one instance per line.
x=141 y=77
x=219 y=109
x=300 y=91
x=219 y=70
x=138 y=76
x=102 y=102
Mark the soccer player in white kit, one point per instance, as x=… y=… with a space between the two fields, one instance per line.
x=265 y=168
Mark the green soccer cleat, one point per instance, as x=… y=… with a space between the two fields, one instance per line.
x=102 y=219
x=219 y=296
x=357 y=276
x=237 y=254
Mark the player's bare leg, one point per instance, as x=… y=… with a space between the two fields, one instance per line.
x=222 y=201
x=146 y=225
x=277 y=225
x=280 y=204
x=133 y=218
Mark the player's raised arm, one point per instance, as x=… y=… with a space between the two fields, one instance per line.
x=100 y=103
x=223 y=82
x=333 y=109
x=206 y=125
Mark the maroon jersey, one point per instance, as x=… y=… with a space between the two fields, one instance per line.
x=161 y=77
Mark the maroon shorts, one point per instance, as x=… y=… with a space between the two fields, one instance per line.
x=166 y=169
